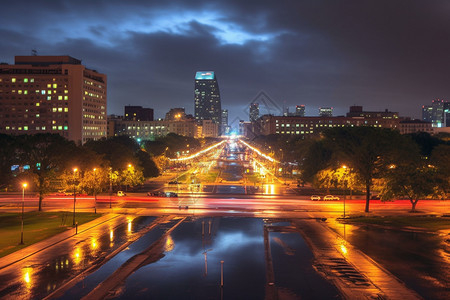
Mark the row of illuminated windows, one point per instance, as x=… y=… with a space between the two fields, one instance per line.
x=92 y=128
x=145 y=127
x=25 y=128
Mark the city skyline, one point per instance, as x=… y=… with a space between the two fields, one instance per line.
x=383 y=55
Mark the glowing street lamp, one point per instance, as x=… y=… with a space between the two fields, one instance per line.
x=74 y=194
x=95 y=192
x=24 y=186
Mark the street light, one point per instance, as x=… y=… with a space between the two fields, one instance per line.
x=74 y=194
x=95 y=192
x=24 y=185
x=110 y=186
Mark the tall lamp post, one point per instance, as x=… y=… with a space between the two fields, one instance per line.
x=24 y=185
x=95 y=192
x=345 y=175
x=74 y=194
x=110 y=186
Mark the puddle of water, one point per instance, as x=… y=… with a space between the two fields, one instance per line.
x=44 y=272
x=416 y=258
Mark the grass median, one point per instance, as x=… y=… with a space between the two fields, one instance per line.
x=430 y=223
x=37 y=226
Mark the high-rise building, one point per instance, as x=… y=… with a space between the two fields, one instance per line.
x=325 y=111
x=224 y=121
x=52 y=94
x=447 y=113
x=434 y=113
x=253 y=113
x=427 y=113
x=138 y=113
x=299 y=110
x=207 y=98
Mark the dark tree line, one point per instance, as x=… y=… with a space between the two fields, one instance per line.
x=413 y=166
x=49 y=160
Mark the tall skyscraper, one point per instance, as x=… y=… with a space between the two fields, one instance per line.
x=447 y=113
x=300 y=111
x=52 y=94
x=253 y=113
x=435 y=113
x=224 y=121
x=207 y=98
x=326 y=111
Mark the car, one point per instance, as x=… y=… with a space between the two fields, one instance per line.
x=173 y=182
x=315 y=197
x=330 y=197
x=171 y=194
x=121 y=194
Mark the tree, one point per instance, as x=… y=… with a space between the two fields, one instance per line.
x=440 y=161
x=146 y=162
x=410 y=176
x=363 y=148
x=7 y=157
x=46 y=154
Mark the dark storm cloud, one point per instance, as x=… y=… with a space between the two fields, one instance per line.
x=380 y=54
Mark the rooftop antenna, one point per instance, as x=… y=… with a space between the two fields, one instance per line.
x=33 y=52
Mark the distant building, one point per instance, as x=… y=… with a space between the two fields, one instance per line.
x=176 y=114
x=435 y=113
x=299 y=110
x=253 y=113
x=325 y=111
x=224 y=122
x=357 y=111
x=138 y=113
x=447 y=113
x=412 y=126
x=209 y=129
x=312 y=126
x=207 y=98
x=150 y=130
x=53 y=94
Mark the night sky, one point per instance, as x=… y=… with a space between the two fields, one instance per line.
x=381 y=54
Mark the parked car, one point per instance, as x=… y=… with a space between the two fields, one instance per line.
x=121 y=194
x=330 y=197
x=171 y=194
x=315 y=197
x=173 y=182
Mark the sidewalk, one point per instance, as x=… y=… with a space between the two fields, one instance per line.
x=355 y=274
x=21 y=254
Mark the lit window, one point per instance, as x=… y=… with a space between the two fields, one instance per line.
x=66 y=128
x=60 y=98
x=32 y=80
x=25 y=127
x=38 y=115
x=25 y=92
x=25 y=80
x=49 y=85
x=60 y=127
x=13 y=80
x=54 y=109
x=54 y=127
x=49 y=97
x=43 y=127
x=60 y=109
x=66 y=97
x=20 y=92
x=66 y=91
x=38 y=104
x=55 y=85
x=66 y=109
x=43 y=92
x=49 y=91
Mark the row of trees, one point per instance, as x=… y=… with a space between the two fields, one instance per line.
x=53 y=163
x=412 y=166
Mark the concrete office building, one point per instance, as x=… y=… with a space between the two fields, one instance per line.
x=52 y=94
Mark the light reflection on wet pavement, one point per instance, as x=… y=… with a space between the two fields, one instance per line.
x=421 y=260
x=190 y=266
x=46 y=271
